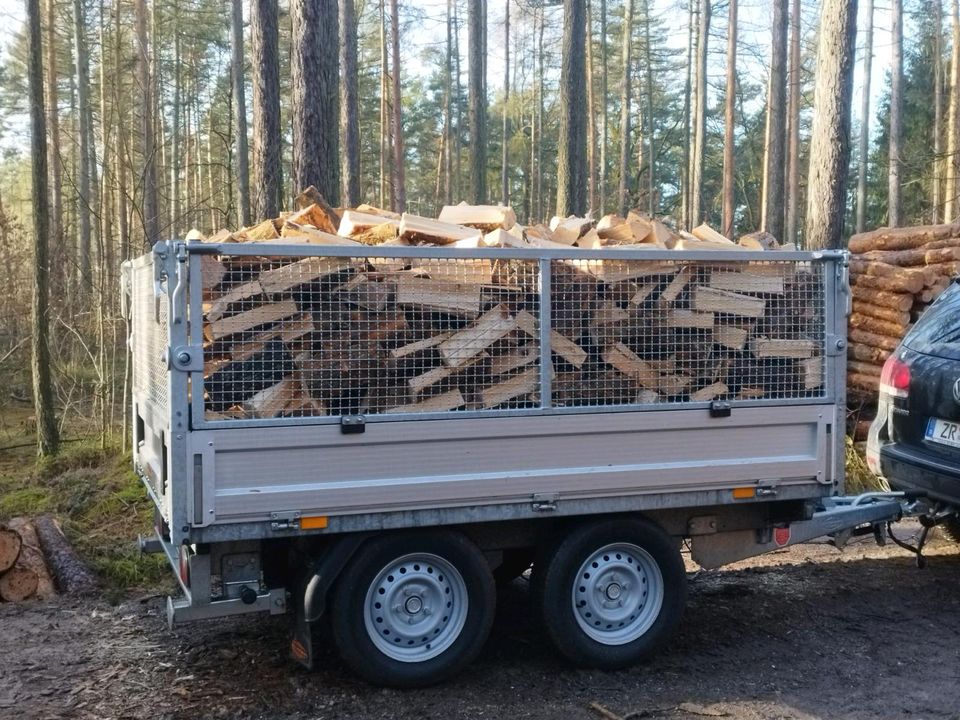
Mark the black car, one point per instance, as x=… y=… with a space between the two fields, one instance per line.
x=915 y=441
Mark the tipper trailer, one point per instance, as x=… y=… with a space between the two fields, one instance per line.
x=375 y=435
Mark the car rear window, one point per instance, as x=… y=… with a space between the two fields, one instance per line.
x=937 y=332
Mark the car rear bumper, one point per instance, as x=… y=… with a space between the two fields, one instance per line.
x=908 y=469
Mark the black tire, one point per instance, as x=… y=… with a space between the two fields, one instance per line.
x=516 y=561
x=644 y=623
x=355 y=588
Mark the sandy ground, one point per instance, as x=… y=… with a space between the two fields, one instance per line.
x=808 y=632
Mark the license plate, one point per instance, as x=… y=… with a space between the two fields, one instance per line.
x=945 y=432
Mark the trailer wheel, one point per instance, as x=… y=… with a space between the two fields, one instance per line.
x=413 y=609
x=612 y=592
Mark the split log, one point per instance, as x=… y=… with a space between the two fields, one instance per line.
x=419 y=346
x=260 y=315
x=676 y=286
x=710 y=392
x=32 y=558
x=302 y=272
x=354 y=223
x=614 y=228
x=858 y=367
x=481 y=217
x=10 y=546
x=315 y=216
x=567 y=231
x=861 y=307
x=747 y=282
x=469 y=342
x=567 y=349
x=267 y=230
x=879 y=341
x=898 y=301
x=519 y=385
x=312 y=196
x=438 y=295
x=690 y=319
x=71 y=574
x=710 y=300
x=418 y=230
x=731 y=337
x=760 y=240
x=443 y=402
x=18 y=584
x=764 y=347
x=708 y=234
x=811 y=373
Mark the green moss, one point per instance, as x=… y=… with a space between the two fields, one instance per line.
x=30 y=500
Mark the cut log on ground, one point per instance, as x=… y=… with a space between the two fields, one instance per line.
x=10 y=547
x=71 y=574
x=18 y=584
x=31 y=557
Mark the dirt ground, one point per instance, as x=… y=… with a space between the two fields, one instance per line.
x=808 y=632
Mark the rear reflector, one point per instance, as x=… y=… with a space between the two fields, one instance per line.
x=744 y=493
x=313 y=522
x=895 y=378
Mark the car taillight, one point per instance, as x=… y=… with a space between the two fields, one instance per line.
x=895 y=378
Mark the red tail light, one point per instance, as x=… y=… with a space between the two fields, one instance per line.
x=895 y=378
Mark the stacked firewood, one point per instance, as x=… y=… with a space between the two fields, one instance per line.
x=895 y=273
x=23 y=570
x=306 y=336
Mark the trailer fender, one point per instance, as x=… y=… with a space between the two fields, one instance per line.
x=324 y=571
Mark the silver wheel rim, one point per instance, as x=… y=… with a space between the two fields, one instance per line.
x=617 y=594
x=416 y=607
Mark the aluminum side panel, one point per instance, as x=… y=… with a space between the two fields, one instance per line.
x=462 y=462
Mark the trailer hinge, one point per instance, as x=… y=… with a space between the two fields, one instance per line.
x=289 y=520
x=545 y=502
x=186 y=358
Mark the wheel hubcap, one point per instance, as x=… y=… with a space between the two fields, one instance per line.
x=617 y=594
x=416 y=607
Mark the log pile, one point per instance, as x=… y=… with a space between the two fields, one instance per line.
x=294 y=337
x=23 y=570
x=895 y=273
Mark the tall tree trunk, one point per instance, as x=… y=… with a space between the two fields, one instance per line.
x=151 y=220
x=604 y=130
x=774 y=156
x=241 y=150
x=476 y=11
x=123 y=146
x=688 y=106
x=626 y=43
x=175 y=170
x=315 y=78
x=700 y=116
x=84 y=199
x=652 y=200
x=896 y=112
x=793 y=118
x=59 y=263
x=384 y=105
x=47 y=436
x=265 y=41
x=935 y=180
x=399 y=158
x=448 y=112
x=729 y=137
x=953 y=122
x=865 y=120
x=349 y=104
x=591 y=118
x=541 y=205
x=830 y=135
x=504 y=154
x=572 y=161
x=458 y=98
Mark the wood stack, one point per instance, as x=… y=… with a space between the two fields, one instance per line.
x=293 y=337
x=23 y=571
x=895 y=273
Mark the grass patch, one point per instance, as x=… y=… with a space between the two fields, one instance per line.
x=101 y=504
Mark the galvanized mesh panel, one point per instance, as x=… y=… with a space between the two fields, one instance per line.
x=640 y=332
x=150 y=337
x=321 y=336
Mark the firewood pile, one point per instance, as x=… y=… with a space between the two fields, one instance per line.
x=307 y=336
x=895 y=274
x=23 y=569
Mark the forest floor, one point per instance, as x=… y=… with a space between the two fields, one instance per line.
x=807 y=632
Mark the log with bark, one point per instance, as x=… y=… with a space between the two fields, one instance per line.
x=71 y=574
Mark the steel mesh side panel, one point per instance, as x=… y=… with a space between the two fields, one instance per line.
x=150 y=338
x=324 y=336
x=641 y=332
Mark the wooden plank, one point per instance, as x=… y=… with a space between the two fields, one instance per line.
x=262 y=315
x=301 y=272
x=764 y=347
x=450 y=400
x=747 y=282
x=471 y=341
x=567 y=349
x=730 y=336
x=440 y=295
x=218 y=307
x=503 y=364
x=472 y=271
x=680 y=318
x=353 y=223
x=708 y=299
x=622 y=358
x=481 y=217
x=419 y=345
x=710 y=392
x=522 y=384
